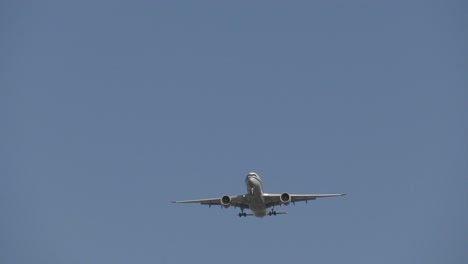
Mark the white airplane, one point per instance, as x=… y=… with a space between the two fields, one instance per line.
x=256 y=200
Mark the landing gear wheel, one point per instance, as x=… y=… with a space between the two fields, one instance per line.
x=272 y=212
x=242 y=213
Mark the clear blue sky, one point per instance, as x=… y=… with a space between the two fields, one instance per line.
x=110 y=109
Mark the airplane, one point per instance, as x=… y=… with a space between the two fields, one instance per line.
x=258 y=201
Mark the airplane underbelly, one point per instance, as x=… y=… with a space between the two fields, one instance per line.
x=257 y=206
x=260 y=213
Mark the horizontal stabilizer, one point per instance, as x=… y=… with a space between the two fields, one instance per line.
x=276 y=213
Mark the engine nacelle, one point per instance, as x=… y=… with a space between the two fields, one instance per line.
x=285 y=198
x=226 y=201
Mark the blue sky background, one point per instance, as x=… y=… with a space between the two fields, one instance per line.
x=110 y=109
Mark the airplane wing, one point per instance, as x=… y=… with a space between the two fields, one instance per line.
x=275 y=199
x=236 y=201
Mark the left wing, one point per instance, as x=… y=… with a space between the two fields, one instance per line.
x=275 y=199
x=236 y=201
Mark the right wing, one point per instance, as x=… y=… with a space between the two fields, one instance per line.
x=274 y=199
x=236 y=201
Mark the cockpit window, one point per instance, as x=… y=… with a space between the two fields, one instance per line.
x=251 y=176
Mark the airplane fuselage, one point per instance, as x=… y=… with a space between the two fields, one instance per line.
x=255 y=195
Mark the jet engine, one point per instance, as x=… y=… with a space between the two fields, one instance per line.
x=285 y=198
x=226 y=201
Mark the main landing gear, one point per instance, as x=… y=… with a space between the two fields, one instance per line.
x=272 y=212
x=242 y=213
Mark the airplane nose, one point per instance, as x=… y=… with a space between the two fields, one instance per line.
x=252 y=180
x=248 y=179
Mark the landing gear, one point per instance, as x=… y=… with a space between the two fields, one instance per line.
x=242 y=213
x=252 y=190
x=272 y=212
